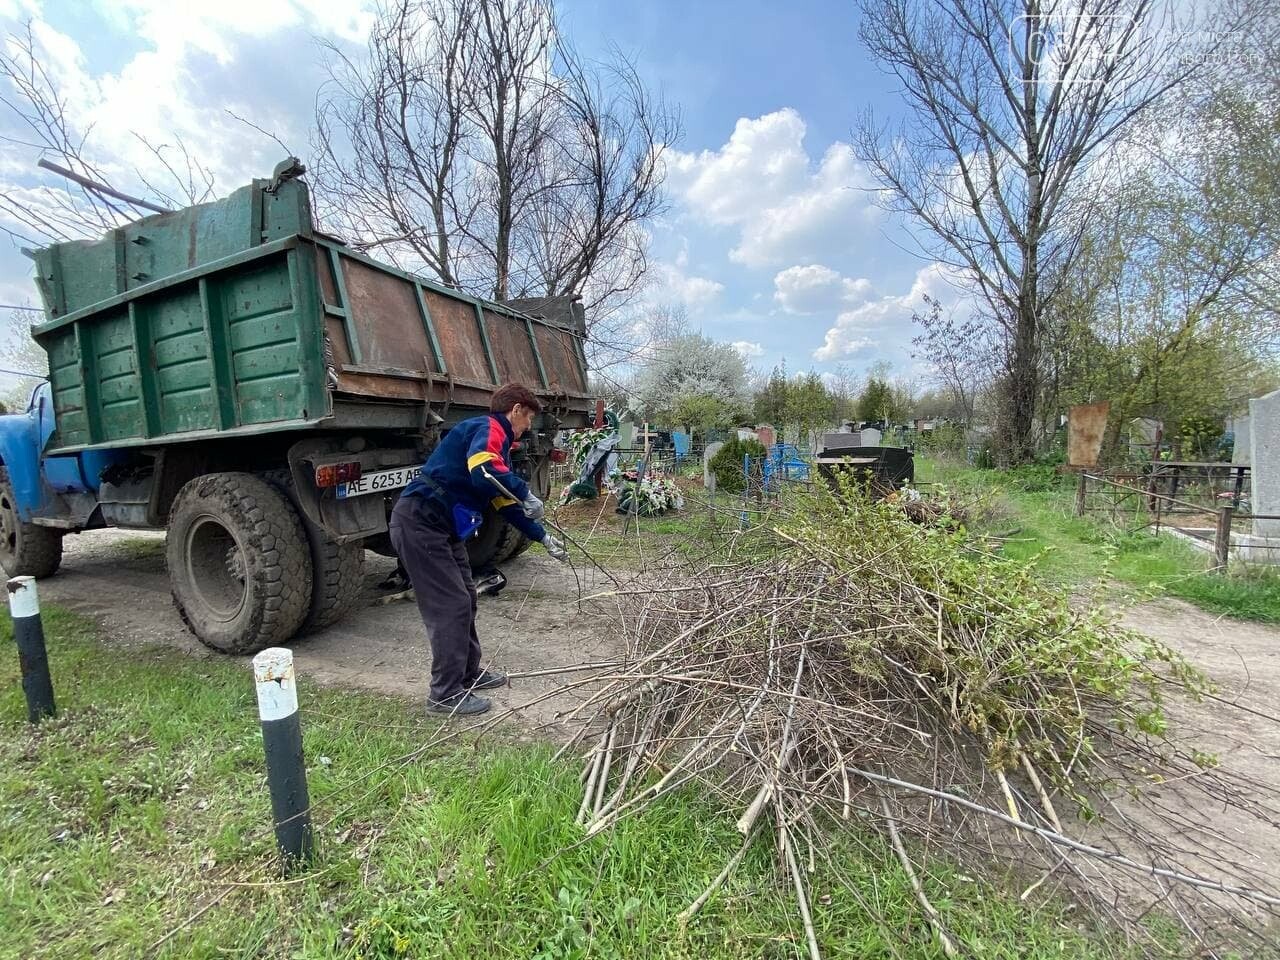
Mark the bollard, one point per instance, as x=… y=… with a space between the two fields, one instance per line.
x=282 y=742
x=28 y=631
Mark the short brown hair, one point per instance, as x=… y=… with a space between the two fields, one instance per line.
x=506 y=397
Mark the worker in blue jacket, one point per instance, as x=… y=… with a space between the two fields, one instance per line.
x=435 y=515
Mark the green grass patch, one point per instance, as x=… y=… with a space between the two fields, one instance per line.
x=144 y=802
x=141 y=548
x=1035 y=507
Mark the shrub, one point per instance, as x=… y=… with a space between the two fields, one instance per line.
x=727 y=463
x=1036 y=478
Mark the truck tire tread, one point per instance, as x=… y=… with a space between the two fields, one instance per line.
x=337 y=570
x=280 y=566
x=511 y=543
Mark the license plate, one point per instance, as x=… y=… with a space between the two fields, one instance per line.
x=391 y=479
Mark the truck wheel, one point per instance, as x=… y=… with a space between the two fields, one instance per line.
x=495 y=542
x=26 y=550
x=238 y=562
x=337 y=570
x=511 y=544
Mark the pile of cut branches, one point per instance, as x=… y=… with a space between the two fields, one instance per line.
x=875 y=670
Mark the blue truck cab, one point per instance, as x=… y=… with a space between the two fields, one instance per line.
x=43 y=498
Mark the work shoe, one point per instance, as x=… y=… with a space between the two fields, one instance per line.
x=486 y=680
x=459 y=705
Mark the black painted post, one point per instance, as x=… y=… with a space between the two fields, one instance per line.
x=28 y=631
x=282 y=742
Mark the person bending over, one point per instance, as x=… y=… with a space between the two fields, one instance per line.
x=429 y=526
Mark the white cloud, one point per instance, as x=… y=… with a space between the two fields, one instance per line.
x=763 y=181
x=176 y=86
x=748 y=348
x=672 y=285
x=213 y=27
x=813 y=288
x=863 y=326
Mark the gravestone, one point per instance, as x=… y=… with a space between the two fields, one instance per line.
x=766 y=435
x=626 y=434
x=869 y=437
x=1264 y=461
x=711 y=451
x=1142 y=437
x=1240 y=427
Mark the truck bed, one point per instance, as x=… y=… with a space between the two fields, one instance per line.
x=237 y=317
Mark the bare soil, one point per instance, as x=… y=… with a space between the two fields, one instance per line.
x=535 y=624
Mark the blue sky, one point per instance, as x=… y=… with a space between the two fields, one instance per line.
x=772 y=240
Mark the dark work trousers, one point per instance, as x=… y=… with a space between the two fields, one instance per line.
x=440 y=572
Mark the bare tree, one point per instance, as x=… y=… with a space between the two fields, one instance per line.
x=40 y=125
x=389 y=137
x=472 y=143
x=1012 y=103
x=958 y=349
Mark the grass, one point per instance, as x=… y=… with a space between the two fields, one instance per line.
x=144 y=803
x=1084 y=550
x=692 y=533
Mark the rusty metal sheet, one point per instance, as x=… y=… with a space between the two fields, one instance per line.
x=558 y=356
x=324 y=270
x=384 y=314
x=510 y=341
x=381 y=386
x=337 y=335
x=455 y=322
x=1086 y=425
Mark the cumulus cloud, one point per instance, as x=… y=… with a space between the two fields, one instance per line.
x=785 y=205
x=671 y=284
x=889 y=316
x=748 y=348
x=813 y=288
x=195 y=61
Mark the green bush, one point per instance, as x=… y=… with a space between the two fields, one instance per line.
x=727 y=463
x=1036 y=477
x=947 y=439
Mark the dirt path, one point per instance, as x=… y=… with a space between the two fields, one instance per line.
x=118 y=577
x=1241 y=728
x=1244 y=660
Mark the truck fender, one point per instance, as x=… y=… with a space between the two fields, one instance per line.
x=22 y=438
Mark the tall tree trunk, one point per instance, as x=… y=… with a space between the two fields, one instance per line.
x=1024 y=384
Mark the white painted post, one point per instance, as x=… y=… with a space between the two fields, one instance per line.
x=282 y=742
x=33 y=660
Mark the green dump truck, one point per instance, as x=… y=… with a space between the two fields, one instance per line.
x=263 y=392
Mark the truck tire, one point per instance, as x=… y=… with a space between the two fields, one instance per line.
x=337 y=570
x=239 y=566
x=511 y=544
x=495 y=542
x=26 y=550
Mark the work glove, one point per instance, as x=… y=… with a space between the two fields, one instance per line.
x=532 y=507
x=555 y=549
